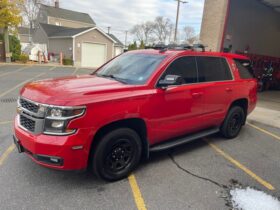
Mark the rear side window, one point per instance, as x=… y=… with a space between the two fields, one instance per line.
x=213 y=69
x=184 y=67
x=245 y=68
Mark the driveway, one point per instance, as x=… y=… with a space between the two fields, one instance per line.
x=195 y=176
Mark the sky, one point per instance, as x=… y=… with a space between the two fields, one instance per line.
x=122 y=15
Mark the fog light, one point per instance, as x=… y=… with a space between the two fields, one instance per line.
x=55 y=160
x=57 y=124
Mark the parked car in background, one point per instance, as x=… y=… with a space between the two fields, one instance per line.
x=140 y=102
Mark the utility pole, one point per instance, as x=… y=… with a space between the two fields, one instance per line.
x=177 y=17
x=125 y=38
x=7 y=45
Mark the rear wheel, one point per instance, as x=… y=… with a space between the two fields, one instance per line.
x=117 y=154
x=233 y=122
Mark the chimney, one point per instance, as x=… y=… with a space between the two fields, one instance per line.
x=56 y=4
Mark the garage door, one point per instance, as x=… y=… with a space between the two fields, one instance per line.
x=118 y=51
x=93 y=55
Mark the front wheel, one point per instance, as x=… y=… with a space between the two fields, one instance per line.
x=233 y=122
x=117 y=154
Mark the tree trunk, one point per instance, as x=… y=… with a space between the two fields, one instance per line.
x=7 y=45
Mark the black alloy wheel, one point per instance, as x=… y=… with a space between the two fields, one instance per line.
x=233 y=122
x=117 y=154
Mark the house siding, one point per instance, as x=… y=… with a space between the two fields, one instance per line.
x=68 y=23
x=64 y=45
x=24 y=38
x=93 y=36
x=40 y=37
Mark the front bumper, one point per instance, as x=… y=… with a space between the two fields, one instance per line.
x=58 y=152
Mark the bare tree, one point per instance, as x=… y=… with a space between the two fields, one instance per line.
x=190 y=35
x=137 y=31
x=143 y=32
x=30 y=9
x=162 y=27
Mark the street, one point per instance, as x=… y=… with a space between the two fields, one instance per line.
x=197 y=175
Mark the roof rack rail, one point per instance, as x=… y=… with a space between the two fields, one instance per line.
x=194 y=47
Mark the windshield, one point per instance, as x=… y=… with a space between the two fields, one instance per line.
x=132 y=68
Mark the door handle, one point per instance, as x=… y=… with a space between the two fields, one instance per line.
x=229 y=89
x=197 y=95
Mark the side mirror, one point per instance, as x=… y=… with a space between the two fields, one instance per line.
x=171 y=80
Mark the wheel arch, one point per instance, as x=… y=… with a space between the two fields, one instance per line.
x=243 y=103
x=136 y=124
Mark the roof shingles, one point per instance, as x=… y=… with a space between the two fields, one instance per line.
x=68 y=14
x=60 y=31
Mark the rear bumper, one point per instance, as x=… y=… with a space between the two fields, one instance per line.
x=58 y=152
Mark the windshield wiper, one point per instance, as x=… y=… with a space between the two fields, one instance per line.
x=112 y=77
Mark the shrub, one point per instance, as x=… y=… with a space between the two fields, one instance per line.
x=67 y=61
x=23 y=58
x=15 y=47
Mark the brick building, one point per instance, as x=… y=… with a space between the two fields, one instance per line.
x=251 y=26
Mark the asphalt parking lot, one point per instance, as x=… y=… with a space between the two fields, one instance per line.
x=195 y=176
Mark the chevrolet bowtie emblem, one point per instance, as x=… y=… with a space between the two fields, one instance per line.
x=19 y=110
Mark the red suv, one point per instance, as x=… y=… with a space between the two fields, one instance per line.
x=139 y=102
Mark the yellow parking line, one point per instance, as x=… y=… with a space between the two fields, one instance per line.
x=20 y=69
x=265 y=131
x=6 y=122
x=6 y=154
x=240 y=166
x=139 y=201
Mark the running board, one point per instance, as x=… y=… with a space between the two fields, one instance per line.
x=180 y=141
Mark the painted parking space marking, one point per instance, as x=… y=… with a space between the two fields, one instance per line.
x=265 y=131
x=239 y=165
x=22 y=83
x=52 y=68
x=6 y=154
x=5 y=122
x=76 y=70
x=12 y=147
x=139 y=201
x=12 y=72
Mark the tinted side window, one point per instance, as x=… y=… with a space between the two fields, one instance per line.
x=184 y=67
x=245 y=68
x=213 y=69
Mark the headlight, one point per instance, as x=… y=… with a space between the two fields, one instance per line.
x=64 y=112
x=57 y=119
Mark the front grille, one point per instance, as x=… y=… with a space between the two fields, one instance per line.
x=27 y=123
x=29 y=105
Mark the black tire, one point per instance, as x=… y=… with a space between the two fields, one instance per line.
x=117 y=154
x=233 y=122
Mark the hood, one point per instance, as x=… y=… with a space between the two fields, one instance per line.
x=72 y=90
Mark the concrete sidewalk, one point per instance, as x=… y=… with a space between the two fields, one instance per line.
x=265 y=116
x=268 y=109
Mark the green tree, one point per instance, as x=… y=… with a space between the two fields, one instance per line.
x=9 y=19
x=132 y=46
x=142 y=45
x=15 y=47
